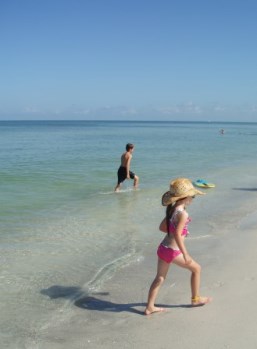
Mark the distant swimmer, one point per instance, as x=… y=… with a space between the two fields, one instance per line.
x=222 y=131
x=124 y=169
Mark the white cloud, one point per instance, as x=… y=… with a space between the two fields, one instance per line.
x=32 y=110
x=180 y=111
x=186 y=108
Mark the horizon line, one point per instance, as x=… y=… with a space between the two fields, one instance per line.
x=117 y=120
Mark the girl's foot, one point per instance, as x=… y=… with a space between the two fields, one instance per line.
x=199 y=301
x=149 y=311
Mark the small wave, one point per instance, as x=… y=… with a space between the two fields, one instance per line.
x=200 y=237
x=248 y=133
x=128 y=190
x=107 y=193
x=107 y=271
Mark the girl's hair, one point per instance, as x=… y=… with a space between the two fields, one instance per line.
x=169 y=212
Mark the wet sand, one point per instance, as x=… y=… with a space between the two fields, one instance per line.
x=225 y=245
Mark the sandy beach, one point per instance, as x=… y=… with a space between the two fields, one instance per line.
x=77 y=259
x=113 y=316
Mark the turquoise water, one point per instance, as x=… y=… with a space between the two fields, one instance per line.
x=61 y=222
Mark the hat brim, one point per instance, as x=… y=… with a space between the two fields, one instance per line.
x=168 y=198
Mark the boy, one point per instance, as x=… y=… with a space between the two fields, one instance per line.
x=124 y=169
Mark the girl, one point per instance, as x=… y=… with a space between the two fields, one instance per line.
x=172 y=249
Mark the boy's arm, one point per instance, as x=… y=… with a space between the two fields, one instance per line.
x=128 y=164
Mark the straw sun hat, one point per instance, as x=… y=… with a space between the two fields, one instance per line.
x=180 y=188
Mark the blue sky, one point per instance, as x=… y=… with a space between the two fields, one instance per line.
x=136 y=59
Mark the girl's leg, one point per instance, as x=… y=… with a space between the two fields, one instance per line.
x=195 y=269
x=162 y=270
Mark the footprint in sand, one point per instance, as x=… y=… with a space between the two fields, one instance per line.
x=219 y=284
x=249 y=278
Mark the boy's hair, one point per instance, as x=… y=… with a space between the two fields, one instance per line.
x=129 y=146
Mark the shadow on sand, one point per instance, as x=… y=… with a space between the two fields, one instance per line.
x=79 y=298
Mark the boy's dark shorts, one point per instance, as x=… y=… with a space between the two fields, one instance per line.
x=122 y=174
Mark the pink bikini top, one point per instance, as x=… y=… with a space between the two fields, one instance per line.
x=173 y=225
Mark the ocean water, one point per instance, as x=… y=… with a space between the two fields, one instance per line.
x=62 y=225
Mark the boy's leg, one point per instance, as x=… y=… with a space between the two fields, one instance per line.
x=136 y=181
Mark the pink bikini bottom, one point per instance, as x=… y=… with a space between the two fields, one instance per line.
x=167 y=254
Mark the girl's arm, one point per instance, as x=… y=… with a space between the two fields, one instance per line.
x=163 y=226
x=182 y=218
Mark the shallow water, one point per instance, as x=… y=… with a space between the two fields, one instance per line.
x=61 y=223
